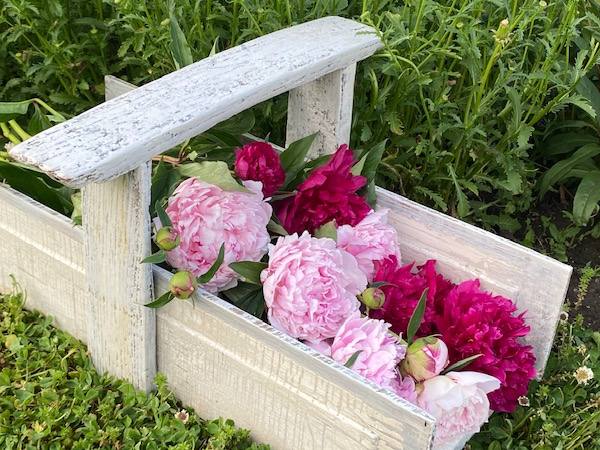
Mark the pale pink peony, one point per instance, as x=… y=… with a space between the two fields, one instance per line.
x=206 y=216
x=425 y=358
x=371 y=240
x=458 y=401
x=405 y=388
x=379 y=350
x=310 y=286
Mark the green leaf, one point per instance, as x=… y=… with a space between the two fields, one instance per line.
x=155 y=258
x=182 y=54
x=164 y=218
x=210 y=273
x=561 y=169
x=161 y=301
x=165 y=179
x=589 y=91
x=587 y=197
x=11 y=110
x=463 y=204
x=358 y=167
x=567 y=142
x=212 y=172
x=352 y=359
x=373 y=158
x=461 y=364
x=249 y=270
x=292 y=158
x=276 y=228
x=328 y=230
x=417 y=317
x=248 y=297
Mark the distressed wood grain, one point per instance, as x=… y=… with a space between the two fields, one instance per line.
x=223 y=361
x=43 y=250
x=323 y=106
x=116 y=220
x=117 y=136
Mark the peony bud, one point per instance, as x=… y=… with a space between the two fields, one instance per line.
x=183 y=284
x=372 y=298
x=425 y=358
x=167 y=239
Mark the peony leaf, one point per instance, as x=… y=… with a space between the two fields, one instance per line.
x=328 y=230
x=212 y=172
x=461 y=364
x=249 y=270
x=274 y=227
x=161 y=301
x=372 y=160
x=210 y=273
x=292 y=158
x=248 y=297
x=358 y=167
x=164 y=218
x=417 y=317
x=155 y=258
x=352 y=359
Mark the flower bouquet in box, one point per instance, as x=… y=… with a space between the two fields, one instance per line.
x=302 y=245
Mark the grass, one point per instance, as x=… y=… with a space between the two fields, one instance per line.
x=51 y=397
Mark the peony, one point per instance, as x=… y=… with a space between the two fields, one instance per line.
x=310 y=286
x=405 y=290
x=425 y=358
x=329 y=193
x=472 y=322
x=370 y=240
x=459 y=403
x=405 y=388
x=379 y=351
x=259 y=161
x=205 y=216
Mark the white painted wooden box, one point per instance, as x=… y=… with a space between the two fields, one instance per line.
x=218 y=359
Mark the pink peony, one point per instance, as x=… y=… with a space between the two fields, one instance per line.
x=459 y=403
x=205 y=216
x=473 y=321
x=310 y=286
x=379 y=351
x=259 y=161
x=405 y=388
x=405 y=290
x=425 y=358
x=328 y=193
x=372 y=239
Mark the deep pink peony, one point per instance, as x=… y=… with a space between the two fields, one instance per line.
x=205 y=217
x=473 y=321
x=258 y=161
x=404 y=291
x=328 y=193
x=379 y=350
x=310 y=286
x=370 y=240
x=459 y=403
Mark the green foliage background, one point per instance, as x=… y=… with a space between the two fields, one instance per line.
x=461 y=99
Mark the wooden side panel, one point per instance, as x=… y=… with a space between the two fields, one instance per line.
x=222 y=361
x=537 y=283
x=116 y=220
x=43 y=250
x=323 y=106
x=95 y=146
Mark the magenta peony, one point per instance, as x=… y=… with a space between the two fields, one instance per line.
x=328 y=193
x=258 y=161
x=205 y=216
x=310 y=286
x=405 y=290
x=370 y=240
x=459 y=403
x=379 y=350
x=405 y=388
x=473 y=321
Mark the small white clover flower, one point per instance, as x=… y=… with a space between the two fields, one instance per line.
x=523 y=401
x=183 y=416
x=583 y=375
x=543 y=4
x=564 y=316
x=582 y=349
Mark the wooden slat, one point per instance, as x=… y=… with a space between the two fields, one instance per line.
x=537 y=283
x=224 y=362
x=121 y=134
x=43 y=250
